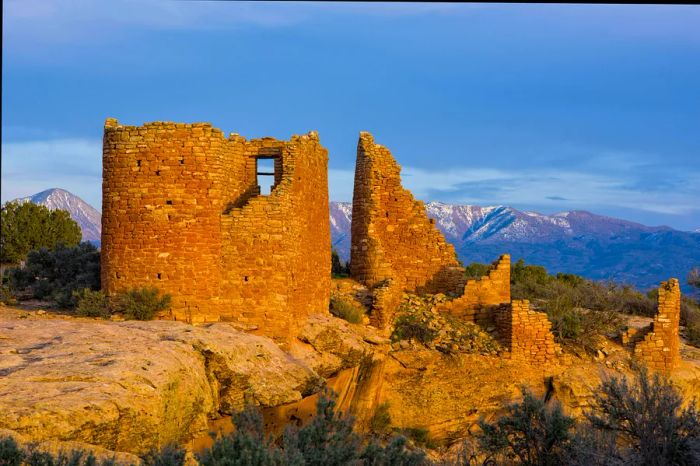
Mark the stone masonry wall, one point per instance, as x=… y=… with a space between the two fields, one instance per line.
x=527 y=333
x=162 y=201
x=182 y=212
x=479 y=295
x=277 y=247
x=391 y=234
x=660 y=348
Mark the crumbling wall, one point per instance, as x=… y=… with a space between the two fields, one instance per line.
x=183 y=212
x=391 y=234
x=277 y=247
x=660 y=348
x=386 y=299
x=482 y=294
x=526 y=333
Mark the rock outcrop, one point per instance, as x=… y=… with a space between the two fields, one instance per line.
x=130 y=386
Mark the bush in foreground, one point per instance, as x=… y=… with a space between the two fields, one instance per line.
x=327 y=440
x=649 y=419
x=141 y=303
x=91 y=303
x=530 y=433
x=630 y=422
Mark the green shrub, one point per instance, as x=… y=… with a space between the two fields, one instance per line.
x=346 y=310
x=394 y=454
x=25 y=227
x=338 y=269
x=56 y=274
x=327 y=439
x=247 y=445
x=91 y=303
x=381 y=419
x=141 y=303
x=169 y=455
x=410 y=327
x=648 y=419
x=420 y=436
x=7 y=296
x=530 y=433
x=476 y=270
x=10 y=453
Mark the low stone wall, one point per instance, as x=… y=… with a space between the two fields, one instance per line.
x=386 y=299
x=660 y=348
x=482 y=294
x=527 y=333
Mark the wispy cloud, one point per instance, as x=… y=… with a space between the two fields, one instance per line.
x=544 y=189
x=72 y=164
x=30 y=23
x=76 y=164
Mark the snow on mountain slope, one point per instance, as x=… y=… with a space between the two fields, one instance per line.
x=577 y=241
x=88 y=218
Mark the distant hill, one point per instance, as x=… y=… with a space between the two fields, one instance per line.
x=88 y=218
x=595 y=246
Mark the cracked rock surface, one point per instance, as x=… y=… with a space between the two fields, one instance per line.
x=129 y=386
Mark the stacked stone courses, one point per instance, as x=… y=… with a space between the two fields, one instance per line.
x=527 y=333
x=480 y=295
x=660 y=347
x=392 y=236
x=182 y=211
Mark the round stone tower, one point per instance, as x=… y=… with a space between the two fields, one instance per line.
x=161 y=209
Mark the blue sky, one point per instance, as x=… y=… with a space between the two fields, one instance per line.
x=541 y=107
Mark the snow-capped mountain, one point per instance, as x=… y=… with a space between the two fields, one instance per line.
x=88 y=218
x=341 y=216
x=579 y=242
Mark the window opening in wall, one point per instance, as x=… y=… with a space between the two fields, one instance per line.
x=265 y=172
x=138 y=163
x=159 y=276
x=169 y=202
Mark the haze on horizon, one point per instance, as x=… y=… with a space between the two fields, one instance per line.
x=540 y=107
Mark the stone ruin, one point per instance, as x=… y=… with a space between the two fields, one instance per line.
x=478 y=296
x=658 y=345
x=397 y=248
x=184 y=211
x=391 y=235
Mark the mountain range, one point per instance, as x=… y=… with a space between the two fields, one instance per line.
x=595 y=246
x=87 y=217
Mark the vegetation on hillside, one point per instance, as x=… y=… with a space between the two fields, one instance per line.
x=338 y=268
x=642 y=421
x=630 y=422
x=55 y=274
x=582 y=310
x=26 y=227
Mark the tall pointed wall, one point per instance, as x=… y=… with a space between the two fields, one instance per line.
x=391 y=234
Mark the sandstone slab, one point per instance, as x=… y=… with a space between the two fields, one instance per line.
x=129 y=386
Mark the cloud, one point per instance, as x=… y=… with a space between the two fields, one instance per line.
x=30 y=23
x=73 y=164
x=76 y=164
x=532 y=189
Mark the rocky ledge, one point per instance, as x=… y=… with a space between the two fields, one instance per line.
x=130 y=386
